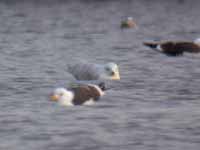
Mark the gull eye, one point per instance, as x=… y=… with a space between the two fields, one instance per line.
x=107 y=69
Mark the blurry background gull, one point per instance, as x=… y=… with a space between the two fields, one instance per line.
x=128 y=23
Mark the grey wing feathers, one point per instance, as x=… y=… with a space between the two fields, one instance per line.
x=83 y=71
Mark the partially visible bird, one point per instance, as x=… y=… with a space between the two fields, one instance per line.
x=87 y=71
x=128 y=23
x=175 y=48
x=81 y=95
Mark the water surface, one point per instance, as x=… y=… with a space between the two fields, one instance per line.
x=154 y=106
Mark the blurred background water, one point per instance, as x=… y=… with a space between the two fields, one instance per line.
x=156 y=103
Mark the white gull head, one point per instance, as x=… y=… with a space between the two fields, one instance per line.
x=111 y=72
x=62 y=96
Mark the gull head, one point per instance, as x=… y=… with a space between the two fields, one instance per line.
x=111 y=71
x=62 y=95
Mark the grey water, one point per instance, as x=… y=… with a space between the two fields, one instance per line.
x=155 y=105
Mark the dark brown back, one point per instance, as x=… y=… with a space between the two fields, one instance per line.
x=188 y=47
x=171 y=48
x=180 y=47
x=85 y=93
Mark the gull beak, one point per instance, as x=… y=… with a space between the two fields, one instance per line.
x=54 y=97
x=116 y=76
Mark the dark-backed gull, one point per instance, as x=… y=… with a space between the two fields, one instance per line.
x=81 y=95
x=87 y=71
x=175 y=48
